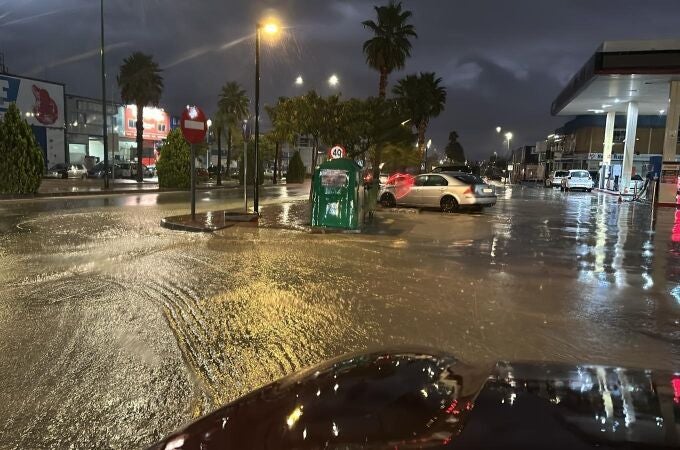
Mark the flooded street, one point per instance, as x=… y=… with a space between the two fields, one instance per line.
x=115 y=331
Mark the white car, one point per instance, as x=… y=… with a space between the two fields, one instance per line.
x=555 y=178
x=577 y=179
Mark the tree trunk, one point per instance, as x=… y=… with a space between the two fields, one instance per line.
x=383 y=82
x=219 y=156
x=228 y=150
x=140 y=142
x=422 y=128
x=276 y=163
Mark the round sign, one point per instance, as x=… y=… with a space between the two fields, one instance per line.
x=194 y=124
x=337 y=152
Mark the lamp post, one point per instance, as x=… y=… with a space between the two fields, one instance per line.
x=104 y=126
x=269 y=28
x=427 y=147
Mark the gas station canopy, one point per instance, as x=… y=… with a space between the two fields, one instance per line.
x=620 y=72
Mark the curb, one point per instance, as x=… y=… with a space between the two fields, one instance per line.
x=42 y=195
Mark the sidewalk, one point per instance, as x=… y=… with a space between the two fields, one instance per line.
x=65 y=188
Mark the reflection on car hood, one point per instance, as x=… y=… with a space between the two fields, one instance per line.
x=422 y=399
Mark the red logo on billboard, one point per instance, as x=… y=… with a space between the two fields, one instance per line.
x=45 y=108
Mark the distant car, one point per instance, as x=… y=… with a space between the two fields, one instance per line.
x=123 y=170
x=133 y=170
x=555 y=178
x=62 y=170
x=150 y=171
x=454 y=168
x=447 y=191
x=97 y=170
x=577 y=179
x=268 y=173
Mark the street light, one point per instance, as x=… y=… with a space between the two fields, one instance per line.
x=498 y=129
x=427 y=147
x=508 y=137
x=270 y=28
x=207 y=138
x=333 y=80
x=299 y=81
x=104 y=127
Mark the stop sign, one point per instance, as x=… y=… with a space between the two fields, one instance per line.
x=194 y=124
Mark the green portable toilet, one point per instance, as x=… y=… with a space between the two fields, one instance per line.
x=337 y=195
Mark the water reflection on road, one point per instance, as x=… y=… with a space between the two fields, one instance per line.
x=113 y=331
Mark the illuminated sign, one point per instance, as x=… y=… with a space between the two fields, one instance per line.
x=156 y=123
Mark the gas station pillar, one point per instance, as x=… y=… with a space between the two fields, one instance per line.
x=672 y=118
x=607 y=151
x=629 y=146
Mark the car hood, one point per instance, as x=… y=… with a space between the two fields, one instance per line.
x=424 y=399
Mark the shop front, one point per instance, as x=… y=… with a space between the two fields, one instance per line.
x=156 y=128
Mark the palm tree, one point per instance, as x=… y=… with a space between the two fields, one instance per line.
x=388 y=49
x=233 y=108
x=140 y=84
x=282 y=128
x=422 y=98
x=219 y=125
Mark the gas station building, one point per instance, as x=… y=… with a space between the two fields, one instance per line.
x=633 y=89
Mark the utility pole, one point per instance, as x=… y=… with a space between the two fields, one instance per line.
x=104 y=125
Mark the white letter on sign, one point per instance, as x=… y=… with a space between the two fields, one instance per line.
x=4 y=87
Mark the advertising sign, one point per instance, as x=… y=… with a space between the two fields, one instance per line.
x=41 y=103
x=156 y=123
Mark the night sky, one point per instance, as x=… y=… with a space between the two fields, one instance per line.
x=503 y=62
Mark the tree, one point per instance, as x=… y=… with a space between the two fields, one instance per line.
x=282 y=129
x=421 y=97
x=389 y=47
x=141 y=84
x=174 y=163
x=21 y=159
x=250 y=180
x=219 y=125
x=296 y=169
x=454 y=150
x=233 y=107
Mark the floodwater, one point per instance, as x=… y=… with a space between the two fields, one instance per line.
x=114 y=331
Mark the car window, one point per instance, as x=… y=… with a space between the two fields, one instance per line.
x=561 y=173
x=420 y=180
x=580 y=174
x=469 y=179
x=436 y=180
x=637 y=178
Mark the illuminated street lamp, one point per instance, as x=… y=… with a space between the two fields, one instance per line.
x=299 y=81
x=498 y=129
x=270 y=28
x=333 y=80
x=508 y=138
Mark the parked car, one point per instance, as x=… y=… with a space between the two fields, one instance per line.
x=123 y=170
x=445 y=190
x=455 y=168
x=133 y=170
x=268 y=173
x=150 y=171
x=577 y=179
x=63 y=170
x=555 y=178
x=97 y=170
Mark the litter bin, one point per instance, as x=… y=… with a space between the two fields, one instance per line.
x=337 y=195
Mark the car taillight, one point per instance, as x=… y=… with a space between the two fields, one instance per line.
x=468 y=190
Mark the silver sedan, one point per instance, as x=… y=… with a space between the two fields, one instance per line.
x=445 y=190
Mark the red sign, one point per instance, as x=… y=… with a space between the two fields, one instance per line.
x=156 y=123
x=194 y=124
x=337 y=152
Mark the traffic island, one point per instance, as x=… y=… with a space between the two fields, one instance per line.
x=209 y=221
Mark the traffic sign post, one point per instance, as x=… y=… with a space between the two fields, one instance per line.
x=194 y=125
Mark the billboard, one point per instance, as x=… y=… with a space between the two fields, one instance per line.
x=156 y=123
x=41 y=103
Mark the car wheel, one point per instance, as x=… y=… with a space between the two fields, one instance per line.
x=448 y=204
x=588 y=190
x=388 y=201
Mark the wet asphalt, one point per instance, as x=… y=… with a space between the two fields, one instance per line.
x=115 y=331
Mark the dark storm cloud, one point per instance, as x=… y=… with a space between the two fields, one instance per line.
x=502 y=62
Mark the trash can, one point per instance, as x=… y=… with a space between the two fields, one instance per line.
x=337 y=195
